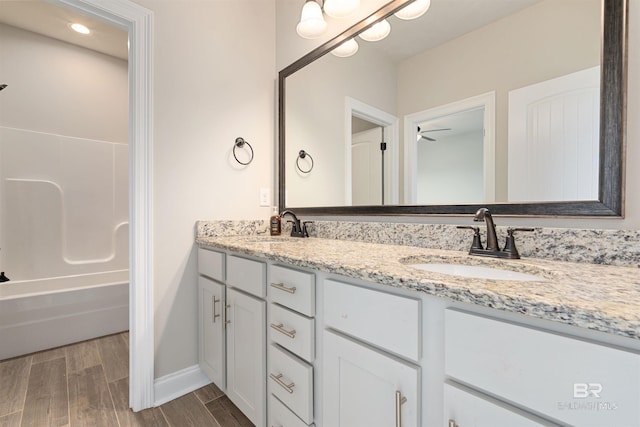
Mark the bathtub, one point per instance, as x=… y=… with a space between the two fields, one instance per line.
x=46 y=313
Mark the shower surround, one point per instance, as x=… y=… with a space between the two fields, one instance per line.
x=63 y=238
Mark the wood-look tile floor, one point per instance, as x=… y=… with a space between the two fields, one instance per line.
x=87 y=385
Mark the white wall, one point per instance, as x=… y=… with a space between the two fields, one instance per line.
x=290 y=47
x=214 y=80
x=52 y=88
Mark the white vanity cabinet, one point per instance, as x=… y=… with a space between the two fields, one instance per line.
x=292 y=349
x=571 y=380
x=232 y=319
x=212 y=348
x=364 y=385
x=246 y=354
x=305 y=348
x=211 y=303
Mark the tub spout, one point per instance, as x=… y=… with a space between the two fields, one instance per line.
x=3 y=278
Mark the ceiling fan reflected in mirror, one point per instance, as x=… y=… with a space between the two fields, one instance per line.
x=421 y=133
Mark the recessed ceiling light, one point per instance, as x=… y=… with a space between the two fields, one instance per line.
x=79 y=28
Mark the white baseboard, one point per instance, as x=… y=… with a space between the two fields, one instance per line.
x=178 y=384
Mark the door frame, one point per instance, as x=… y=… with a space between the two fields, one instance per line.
x=359 y=109
x=138 y=21
x=411 y=122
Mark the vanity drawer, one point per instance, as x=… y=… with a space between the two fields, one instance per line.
x=294 y=289
x=291 y=381
x=292 y=331
x=469 y=408
x=211 y=263
x=389 y=321
x=281 y=416
x=247 y=274
x=551 y=374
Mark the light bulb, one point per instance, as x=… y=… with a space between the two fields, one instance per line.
x=79 y=28
x=348 y=48
x=414 y=10
x=311 y=23
x=377 y=32
x=340 y=8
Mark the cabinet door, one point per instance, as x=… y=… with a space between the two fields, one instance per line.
x=246 y=354
x=364 y=387
x=212 y=341
x=466 y=408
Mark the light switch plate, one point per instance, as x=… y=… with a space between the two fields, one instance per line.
x=265 y=197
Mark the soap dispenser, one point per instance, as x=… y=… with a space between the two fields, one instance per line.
x=275 y=222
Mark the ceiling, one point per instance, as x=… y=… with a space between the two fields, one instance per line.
x=407 y=37
x=53 y=21
x=444 y=21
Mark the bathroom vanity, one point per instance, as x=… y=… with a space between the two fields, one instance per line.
x=302 y=332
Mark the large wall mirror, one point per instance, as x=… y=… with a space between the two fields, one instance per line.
x=516 y=105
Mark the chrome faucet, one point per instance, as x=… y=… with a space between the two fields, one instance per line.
x=297 y=229
x=492 y=249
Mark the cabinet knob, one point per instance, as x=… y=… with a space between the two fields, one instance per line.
x=452 y=423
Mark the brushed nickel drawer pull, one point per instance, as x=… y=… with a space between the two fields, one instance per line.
x=279 y=328
x=277 y=379
x=213 y=307
x=227 y=307
x=399 y=401
x=282 y=287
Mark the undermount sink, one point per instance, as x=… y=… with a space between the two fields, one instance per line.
x=477 y=272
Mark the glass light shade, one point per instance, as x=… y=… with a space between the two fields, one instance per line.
x=377 y=32
x=414 y=10
x=311 y=23
x=340 y=8
x=348 y=48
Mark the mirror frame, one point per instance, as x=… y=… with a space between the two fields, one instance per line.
x=613 y=92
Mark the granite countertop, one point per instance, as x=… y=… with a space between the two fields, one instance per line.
x=598 y=297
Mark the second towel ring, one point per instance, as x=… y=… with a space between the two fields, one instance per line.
x=302 y=155
x=240 y=142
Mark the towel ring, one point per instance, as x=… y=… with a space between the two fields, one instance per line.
x=302 y=155
x=240 y=142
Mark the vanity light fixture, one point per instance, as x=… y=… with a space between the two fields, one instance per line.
x=377 y=32
x=312 y=22
x=340 y=8
x=414 y=10
x=79 y=28
x=346 y=49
